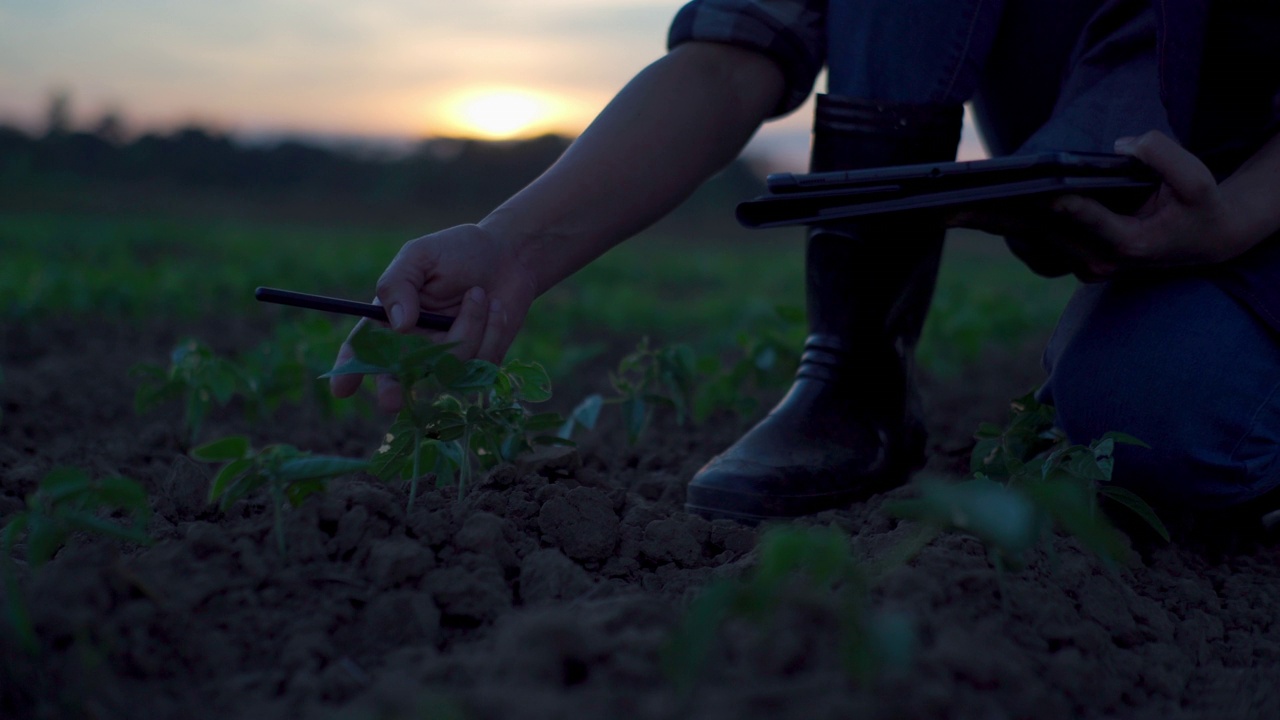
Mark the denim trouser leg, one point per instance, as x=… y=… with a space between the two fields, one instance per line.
x=1178 y=363
x=1171 y=359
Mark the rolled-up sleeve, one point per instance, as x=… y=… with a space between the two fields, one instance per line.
x=791 y=32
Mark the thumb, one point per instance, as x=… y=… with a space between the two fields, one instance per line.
x=400 y=284
x=1182 y=171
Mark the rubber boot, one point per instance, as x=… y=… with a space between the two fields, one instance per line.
x=850 y=425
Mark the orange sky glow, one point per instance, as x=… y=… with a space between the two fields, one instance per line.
x=381 y=68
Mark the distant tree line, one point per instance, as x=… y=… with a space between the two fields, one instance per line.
x=441 y=172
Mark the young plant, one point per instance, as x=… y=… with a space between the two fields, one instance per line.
x=67 y=501
x=455 y=416
x=195 y=374
x=823 y=561
x=767 y=358
x=1028 y=479
x=286 y=369
x=646 y=378
x=695 y=387
x=289 y=474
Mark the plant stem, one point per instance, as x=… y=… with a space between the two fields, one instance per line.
x=417 y=467
x=277 y=502
x=464 y=476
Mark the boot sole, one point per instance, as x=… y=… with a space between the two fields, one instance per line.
x=715 y=504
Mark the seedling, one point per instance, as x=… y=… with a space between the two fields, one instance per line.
x=195 y=374
x=285 y=369
x=695 y=387
x=455 y=416
x=289 y=474
x=645 y=378
x=823 y=560
x=65 y=502
x=1027 y=479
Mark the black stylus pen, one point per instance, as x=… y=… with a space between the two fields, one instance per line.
x=426 y=320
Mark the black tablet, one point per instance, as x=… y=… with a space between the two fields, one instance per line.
x=1009 y=183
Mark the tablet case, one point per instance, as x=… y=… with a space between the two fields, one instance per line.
x=1009 y=184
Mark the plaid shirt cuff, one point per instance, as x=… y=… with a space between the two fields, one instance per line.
x=789 y=31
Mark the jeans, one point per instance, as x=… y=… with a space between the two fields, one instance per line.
x=1171 y=359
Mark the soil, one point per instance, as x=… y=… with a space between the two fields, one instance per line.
x=550 y=590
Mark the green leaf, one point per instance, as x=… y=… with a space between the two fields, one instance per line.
x=1124 y=439
x=44 y=538
x=222 y=382
x=685 y=655
x=376 y=346
x=535 y=384
x=106 y=528
x=233 y=447
x=449 y=370
x=1072 y=506
x=300 y=490
x=423 y=358
x=242 y=485
x=478 y=375
x=356 y=366
x=226 y=476
x=543 y=421
x=391 y=458
x=63 y=484
x=318 y=467
x=1139 y=506
x=123 y=493
x=1003 y=518
x=552 y=440
x=635 y=416
x=584 y=415
x=988 y=430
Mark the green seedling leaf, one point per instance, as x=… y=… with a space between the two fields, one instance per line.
x=233 y=447
x=635 y=416
x=61 y=485
x=225 y=478
x=1070 y=503
x=375 y=346
x=534 y=383
x=397 y=448
x=686 y=653
x=543 y=422
x=123 y=493
x=302 y=489
x=477 y=376
x=92 y=523
x=318 y=467
x=241 y=485
x=1130 y=500
x=1124 y=439
x=1003 y=518
x=356 y=366
x=44 y=538
x=584 y=415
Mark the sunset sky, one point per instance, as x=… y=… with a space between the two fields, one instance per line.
x=382 y=68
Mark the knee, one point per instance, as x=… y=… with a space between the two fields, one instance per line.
x=1186 y=370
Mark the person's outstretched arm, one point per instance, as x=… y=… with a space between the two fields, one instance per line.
x=675 y=124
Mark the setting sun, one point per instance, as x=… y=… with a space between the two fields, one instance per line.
x=501 y=114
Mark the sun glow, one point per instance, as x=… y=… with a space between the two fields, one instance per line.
x=502 y=114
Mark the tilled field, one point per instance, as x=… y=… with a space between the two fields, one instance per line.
x=551 y=590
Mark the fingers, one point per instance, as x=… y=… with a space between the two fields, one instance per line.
x=469 y=326
x=493 y=346
x=344 y=386
x=399 y=285
x=1182 y=171
x=1094 y=216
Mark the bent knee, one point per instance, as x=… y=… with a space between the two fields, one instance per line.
x=1183 y=367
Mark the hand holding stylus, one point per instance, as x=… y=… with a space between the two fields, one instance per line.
x=465 y=272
